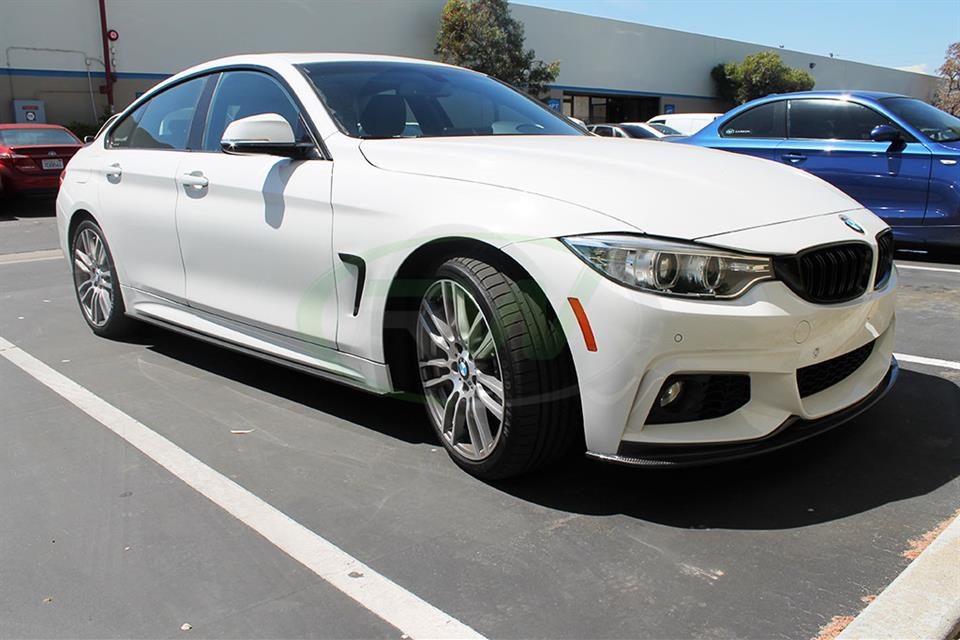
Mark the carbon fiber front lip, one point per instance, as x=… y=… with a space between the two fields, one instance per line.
x=793 y=430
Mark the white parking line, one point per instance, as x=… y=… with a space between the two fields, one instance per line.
x=410 y=614
x=30 y=256
x=933 y=362
x=910 y=266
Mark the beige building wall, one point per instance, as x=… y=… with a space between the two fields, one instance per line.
x=597 y=55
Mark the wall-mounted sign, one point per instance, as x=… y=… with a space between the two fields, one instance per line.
x=554 y=103
x=113 y=35
x=29 y=111
x=669 y=108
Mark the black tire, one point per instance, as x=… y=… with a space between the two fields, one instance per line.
x=115 y=323
x=542 y=418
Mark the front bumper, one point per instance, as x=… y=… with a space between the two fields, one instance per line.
x=767 y=334
x=792 y=431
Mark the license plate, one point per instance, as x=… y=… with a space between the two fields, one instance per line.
x=55 y=163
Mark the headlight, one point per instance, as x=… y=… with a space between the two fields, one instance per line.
x=675 y=268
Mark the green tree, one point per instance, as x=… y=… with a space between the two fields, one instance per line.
x=483 y=36
x=758 y=75
x=948 y=94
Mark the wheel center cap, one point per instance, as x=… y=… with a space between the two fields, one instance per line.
x=463 y=369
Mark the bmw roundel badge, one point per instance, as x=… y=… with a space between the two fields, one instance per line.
x=850 y=222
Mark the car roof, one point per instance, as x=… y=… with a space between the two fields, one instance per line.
x=869 y=95
x=686 y=115
x=291 y=58
x=31 y=125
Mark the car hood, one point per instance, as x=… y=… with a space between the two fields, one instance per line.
x=672 y=190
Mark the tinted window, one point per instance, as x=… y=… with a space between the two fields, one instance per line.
x=27 y=136
x=390 y=100
x=766 y=121
x=935 y=124
x=163 y=122
x=241 y=94
x=606 y=132
x=664 y=129
x=638 y=132
x=833 y=120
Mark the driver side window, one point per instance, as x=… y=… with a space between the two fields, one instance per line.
x=241 y=94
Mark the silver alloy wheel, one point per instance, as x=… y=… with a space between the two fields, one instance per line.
x=92 y=277
x=460 y=370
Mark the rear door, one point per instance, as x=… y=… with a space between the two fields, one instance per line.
x=755 y=132
x=255 y=230
x=138 y=191
x=831 y=139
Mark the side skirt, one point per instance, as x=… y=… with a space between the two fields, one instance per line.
x=316 y=360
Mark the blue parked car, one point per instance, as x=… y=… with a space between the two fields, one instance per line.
x=897 y=156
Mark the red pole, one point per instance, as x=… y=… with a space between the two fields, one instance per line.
x=106 y=53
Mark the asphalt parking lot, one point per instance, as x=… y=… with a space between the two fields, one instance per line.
x=98 y=540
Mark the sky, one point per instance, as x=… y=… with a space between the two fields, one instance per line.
x=907 y=34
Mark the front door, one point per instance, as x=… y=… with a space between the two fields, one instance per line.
x=255 y=230
x=831 y=139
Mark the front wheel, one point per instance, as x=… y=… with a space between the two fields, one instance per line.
x=95 y=282
x=497 y=379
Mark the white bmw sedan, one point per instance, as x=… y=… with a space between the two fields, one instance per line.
x=404 y=226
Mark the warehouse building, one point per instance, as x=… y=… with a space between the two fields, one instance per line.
x=57 y=52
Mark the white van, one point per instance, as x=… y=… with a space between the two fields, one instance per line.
x=686 y=123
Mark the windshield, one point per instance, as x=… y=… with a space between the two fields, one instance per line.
x=637 y=132
x=935 y=124
x=665 y=130
x=26 y=137
x=371 y=99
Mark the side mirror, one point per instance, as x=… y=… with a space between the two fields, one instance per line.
x=263 y=134
x=885 y=133
x=88 y=139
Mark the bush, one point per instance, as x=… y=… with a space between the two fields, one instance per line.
x=758 y=75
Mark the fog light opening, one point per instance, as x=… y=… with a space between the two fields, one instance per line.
x=670 y=393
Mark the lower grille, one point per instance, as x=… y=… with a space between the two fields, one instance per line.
x=884 y=258
x=702 y=397
x=829 y=274
x=817 y=377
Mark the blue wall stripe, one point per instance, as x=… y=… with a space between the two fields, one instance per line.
x=56 y=73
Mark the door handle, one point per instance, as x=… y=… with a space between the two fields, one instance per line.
x=114 y=170
x=194 y=179
x=794 y=157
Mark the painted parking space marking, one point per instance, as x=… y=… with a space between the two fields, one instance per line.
x=396 y=606
x=933 y=362
x=30 y=256
x=919 y=268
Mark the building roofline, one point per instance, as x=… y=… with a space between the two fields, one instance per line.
x=707 y=35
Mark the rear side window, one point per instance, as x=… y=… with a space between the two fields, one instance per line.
x=606 y=132
x=241 y=94
x=766 y=121
x=28 y=136
x=817 y=119
x=163 y=122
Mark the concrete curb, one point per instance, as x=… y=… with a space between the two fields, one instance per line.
x=922 y=602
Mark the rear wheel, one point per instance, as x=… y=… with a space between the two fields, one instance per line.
x=96 y=283
x=497 y=379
